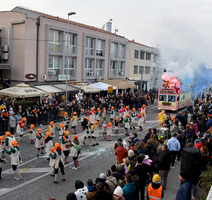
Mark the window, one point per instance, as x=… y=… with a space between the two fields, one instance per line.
x=54 y=65
x=121 y=50
x=171 y=98
x=99 y=47
x=147 y=70
x=88 y=66
x=142 y=55
x=141 y=69
x=154 y=71
x=72 y=43
x=71 y=65
x=155 y=58
x=178 y=98
x=89 y=46
x=121 y=69
x=54 y=40
x=135 y=54
x=113 y=50
x=0 y=37
x=99 y=67
x=148 y=56
x=113 y=65
x=135 y=69
x=162 y=97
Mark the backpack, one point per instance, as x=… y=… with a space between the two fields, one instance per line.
x=78 y=148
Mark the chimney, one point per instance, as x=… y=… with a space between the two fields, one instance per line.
x=109 y=26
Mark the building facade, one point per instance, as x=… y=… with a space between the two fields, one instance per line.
x=48 y=46
x=143 y=65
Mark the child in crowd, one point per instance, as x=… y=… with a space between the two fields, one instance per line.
x=31 y=133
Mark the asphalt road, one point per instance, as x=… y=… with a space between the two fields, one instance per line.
x=38 y=184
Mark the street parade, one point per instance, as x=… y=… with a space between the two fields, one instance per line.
x=105 y=100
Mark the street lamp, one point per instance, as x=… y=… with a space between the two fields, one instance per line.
x=70 y=13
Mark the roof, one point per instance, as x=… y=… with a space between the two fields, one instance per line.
x=35 y=14
x=121 y=84
x=139 y=44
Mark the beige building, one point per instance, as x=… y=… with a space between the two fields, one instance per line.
x=38 y=44
x=143 y=65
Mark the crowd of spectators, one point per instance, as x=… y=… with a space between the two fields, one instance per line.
x=52 y=108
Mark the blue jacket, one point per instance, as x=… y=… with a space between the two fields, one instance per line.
x=173 y=144
x=184 y=192
x=209 y=124
x=128 y=190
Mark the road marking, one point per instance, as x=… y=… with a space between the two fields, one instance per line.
x=25 y=169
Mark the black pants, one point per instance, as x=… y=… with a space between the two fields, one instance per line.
x=61 y=168
x=142 y=188
x=173 y=156
x=14 y=167
x=179 y=154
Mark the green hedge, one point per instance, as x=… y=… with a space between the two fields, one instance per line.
x=24 y=104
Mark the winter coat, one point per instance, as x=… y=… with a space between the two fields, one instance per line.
x=12 y=121
x=165 y=160
x=128 y=190
x=184 y=192
x=121 y=153
x=173 y=144
x=142 y=173
x=133 y=160
x=81 y=193
x=102 y=195
x=182 y=139
x=159 y=151
x=111 y=184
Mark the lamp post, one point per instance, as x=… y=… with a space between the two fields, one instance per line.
x=70 y=13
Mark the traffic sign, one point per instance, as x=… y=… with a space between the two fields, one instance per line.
x=110 y=89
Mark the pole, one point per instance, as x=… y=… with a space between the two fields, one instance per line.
x=67 y=63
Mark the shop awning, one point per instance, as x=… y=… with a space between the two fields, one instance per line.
x=102 y=86
x=48 y=88
x=87 y=88
x=70 y=88
x=121 y=84
x=21 y=90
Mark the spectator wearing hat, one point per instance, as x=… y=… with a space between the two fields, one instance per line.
x=118 y=193
x=120 y=153
x=103 y=177
x=155 y=190
x=184 y=192
x=111 y=182
x=71 y=196
x=81 y=190
x=132 y=158
x=119 y=175
x=129 y=188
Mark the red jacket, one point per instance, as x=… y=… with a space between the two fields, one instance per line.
x=121 y=153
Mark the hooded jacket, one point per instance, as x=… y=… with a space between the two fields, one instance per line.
x=121 y=153
x=173 y=144
x=128 y=190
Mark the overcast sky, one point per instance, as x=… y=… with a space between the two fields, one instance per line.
x=173 y=24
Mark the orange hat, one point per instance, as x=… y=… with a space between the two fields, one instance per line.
x=48 y=134
x=53 y=149
x=61 y=125
x=75 y=136
x=104 y=108
x=117 y=117
x=163 y=111
x=127 y=107
x=133 y=109
x=143 y=105
x=92 y=109
x=98 y=109
x=51 y=123
x=7 y=133
x=1 y=137
x=112 y=107
x=74 y=113
x=109 y=124
x=127 y=115
x=39 y=130
x=87 y=118
x=65 y=113
x=32 y=126
x=142 y=113
x=24 y=119
x=67 y=133
x=95 y=122
x=57 y=145
x=14 y=143
x=82 y=110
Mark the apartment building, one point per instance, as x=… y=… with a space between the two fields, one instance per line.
x=47 y=46
x=143 y=65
